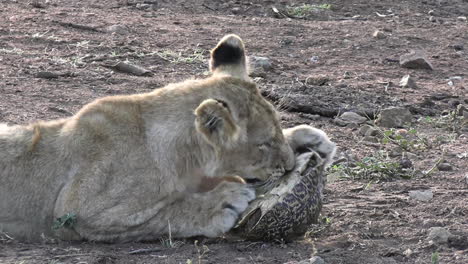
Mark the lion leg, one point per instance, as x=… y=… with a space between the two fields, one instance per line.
x=209 y=214
x=302 y=137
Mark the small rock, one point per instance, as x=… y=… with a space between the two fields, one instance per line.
x=444 y=166
x=407 y=82
x=401 y=132
x=421 y=195
x=370 y=139
x=397 y=151
x=439 y=235
x=415 y=60
x=394 y=117
x=317 y=80
x=432 y=19
x=374 y=132
x=462 y=18
x=47 y=75
x=431 y=12
x=458 y=242
x=260 y=63
x=458 y=47
x=353 y=118
x=314 y=59
x=411 y=156
x=119 y=29
x=363 y=130
x=235 y=10
x=143 y=6
x=339 y=122
x=408 y=252
x=406 y=163
x=454 y=103
x=379 y=34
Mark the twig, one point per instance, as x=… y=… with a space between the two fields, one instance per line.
x=431 y=170
x=207 y=7
x=143 y=251
x=78 y=26
x=71 y=255
x=129 y=68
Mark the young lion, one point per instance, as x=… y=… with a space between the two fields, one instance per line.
x=128 y=166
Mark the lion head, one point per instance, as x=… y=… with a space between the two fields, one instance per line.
x=238 y=123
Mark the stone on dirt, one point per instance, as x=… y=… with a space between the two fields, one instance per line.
x=406 y=163
x=421 y=195
x=257 y=62
x=394 y=117
x=378 y=34
x=317 y=80
x=352 y=118
x=439 y=235
x=444 y=166
x=407 y=82
x=119 y=29
x=259 y=66
x=416 y=59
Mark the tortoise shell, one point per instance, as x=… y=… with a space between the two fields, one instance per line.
x=286 y=208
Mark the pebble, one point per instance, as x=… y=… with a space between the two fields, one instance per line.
x=235 y=10
x=411 y=156
x=317 y=80
x=370 y=139
x=439 y=234
x=444 y=166
x=353 y=118
x=394 y=117
x=408 y=252
x=397 y=151
x=421 y=195
x=119 y=29
x=258 y=62
x=406 y=163
x=416 y=59
x=314 y=59
x=462 y=18
x=407 y=82
x=458 y=47
x=379 y=34
x=143 y=6
x=363 y=130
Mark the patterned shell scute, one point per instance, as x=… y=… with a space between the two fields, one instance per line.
x=286 y=210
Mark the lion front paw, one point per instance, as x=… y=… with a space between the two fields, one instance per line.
x=233 y=200
x=304 y=137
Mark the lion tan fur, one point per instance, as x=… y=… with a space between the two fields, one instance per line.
x=127 y=166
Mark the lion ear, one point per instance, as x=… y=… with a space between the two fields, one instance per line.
x=228 y=57
x=215 y=122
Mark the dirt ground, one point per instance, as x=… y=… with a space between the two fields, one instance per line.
x=323 y=63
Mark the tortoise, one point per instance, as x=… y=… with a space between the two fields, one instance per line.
x=285 y=207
